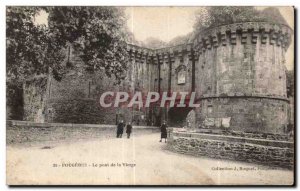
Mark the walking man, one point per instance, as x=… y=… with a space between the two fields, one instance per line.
x=120 y=128
x=128 y=130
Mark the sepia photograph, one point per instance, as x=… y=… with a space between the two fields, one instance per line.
x=150 y=95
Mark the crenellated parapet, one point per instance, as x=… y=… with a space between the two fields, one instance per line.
x=247 y=32
x=138 y=53
x=167 y=54
x=244 y=33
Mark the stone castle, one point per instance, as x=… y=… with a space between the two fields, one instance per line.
x=237 y=71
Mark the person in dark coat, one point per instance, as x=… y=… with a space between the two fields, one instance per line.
x=163 y=130
x=120 y=128
x=128 y=129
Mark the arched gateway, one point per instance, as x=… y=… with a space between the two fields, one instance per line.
x=178 y=117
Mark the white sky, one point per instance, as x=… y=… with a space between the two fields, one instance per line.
x=165 y=23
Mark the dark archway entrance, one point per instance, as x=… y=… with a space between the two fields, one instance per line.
x=14 y=102
x=177 y=116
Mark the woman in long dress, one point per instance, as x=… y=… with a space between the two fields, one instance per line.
x=163 y=130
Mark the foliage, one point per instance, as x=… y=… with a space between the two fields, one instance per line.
x=29 y=52
x=29 y=48
x=216 y=16
x=184 y=39
x=34 y=51
x=273 y=15
x=99 y=33
x=132 y=40
x=154 y=43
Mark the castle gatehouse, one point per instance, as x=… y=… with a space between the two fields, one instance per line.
x=237 y=71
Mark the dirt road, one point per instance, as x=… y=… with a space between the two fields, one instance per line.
x=139 y=160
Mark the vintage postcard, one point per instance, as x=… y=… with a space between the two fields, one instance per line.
x=103 y=95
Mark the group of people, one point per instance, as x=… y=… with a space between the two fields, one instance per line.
x=121 y=125
x=120 y=129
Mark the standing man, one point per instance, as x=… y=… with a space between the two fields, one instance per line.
x=163 y=130
x=128 y=130
x=120 y=128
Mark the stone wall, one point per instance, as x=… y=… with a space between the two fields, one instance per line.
x=248 y=114
x=175 y=63
x=79 y=111
x=22 y=132
x=34 y=96
x=75 y=99
x=261 y=151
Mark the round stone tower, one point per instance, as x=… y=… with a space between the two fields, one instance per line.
x=241 y=77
